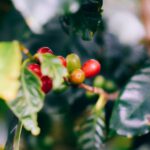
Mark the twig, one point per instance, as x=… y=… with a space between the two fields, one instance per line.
x=145 y=14
x=100 y=104
x=99 y=91
x=26 y=51
x=17 y=136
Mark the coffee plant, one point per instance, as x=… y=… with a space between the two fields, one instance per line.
x=67 y=82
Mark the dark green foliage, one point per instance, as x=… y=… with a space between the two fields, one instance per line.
x=86 y=21
x=131 y=113
x=119 y=63
x=92 y=133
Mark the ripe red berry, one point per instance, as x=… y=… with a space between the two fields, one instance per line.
x=77 y=76
x=91 y=68
x=35 y=68
x=62 y=60
x=44 y=50
x=47 y=84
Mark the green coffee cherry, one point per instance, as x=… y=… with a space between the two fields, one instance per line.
x=110 y=86
x=90 y=95
x=99 y=82
x=73 y=62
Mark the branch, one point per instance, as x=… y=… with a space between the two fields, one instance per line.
x=145 y=14
x=99 y=91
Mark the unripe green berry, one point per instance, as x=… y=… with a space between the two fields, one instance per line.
x=73 y=62
x=90 y=95
x=110 y=86
x=99 y=82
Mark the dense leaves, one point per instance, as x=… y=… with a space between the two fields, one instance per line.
x=48 y=10
x=52 y=67
x=86 y=21
x=89 y=13
x=10 y=63
x=91 y=134
x=29 y=100
x=131 y=114
x=118 y=62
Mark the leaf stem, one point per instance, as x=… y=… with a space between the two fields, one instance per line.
x=17 y=136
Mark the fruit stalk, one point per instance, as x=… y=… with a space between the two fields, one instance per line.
x=26 y=51
x=99 y=91
x=100 y=103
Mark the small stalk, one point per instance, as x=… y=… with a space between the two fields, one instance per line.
x=101 y=102
x=26 y=51
x=17 y=137
x=100 y=91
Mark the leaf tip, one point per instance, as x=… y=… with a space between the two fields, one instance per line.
x=36 y=131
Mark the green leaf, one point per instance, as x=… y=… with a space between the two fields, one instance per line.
x=52 y=67
x=91 y=133
x=131 y=115
x=10 y=64
x=90 y=13
x=29 y=100
x=119 y=143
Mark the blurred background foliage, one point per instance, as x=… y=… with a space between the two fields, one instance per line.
x=75 y=26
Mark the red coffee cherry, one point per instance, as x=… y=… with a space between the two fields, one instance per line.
x=62 y=60
x=77 y=76
x=47 y=84
x=91 y=68
x=35 y=68
x=44 y=50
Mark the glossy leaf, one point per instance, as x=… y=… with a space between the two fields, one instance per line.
x=10 y=64
x=52 y=67
x=91 y=133
x=29 y=100
x=131 y=115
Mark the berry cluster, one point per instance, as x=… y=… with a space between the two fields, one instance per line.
x=77 y=72
x=72 y=63
x=47 y=83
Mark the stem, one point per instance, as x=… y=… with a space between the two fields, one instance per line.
x=99 y=91
x=26 y=51
x=100 y=103
x=17 y=136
